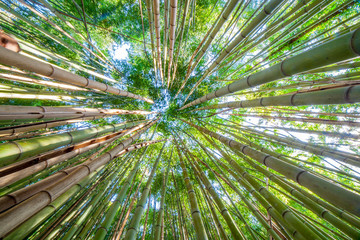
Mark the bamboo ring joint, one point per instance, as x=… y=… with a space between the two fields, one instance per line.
x=20 y=149
x=352 y=43
x=346 y=95
x=298 y=175
x=282 y=69
x=292 y=99
x=52 y=70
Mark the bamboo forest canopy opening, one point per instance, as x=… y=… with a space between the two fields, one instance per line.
x=179 y=119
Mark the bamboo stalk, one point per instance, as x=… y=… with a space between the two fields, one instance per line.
x=135 y=220
x=342 y=48
x=21 y=149
x=48 y=70
x=268 y=9
x=347 y=200
x=13 y=217
x=195 y=212
x=159 y=222
x=341 y=95
x=173 y=6
x=9 y=112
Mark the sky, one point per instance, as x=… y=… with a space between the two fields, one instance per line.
x=120 y=52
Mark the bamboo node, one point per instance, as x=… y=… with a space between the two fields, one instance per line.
x=323 y=212
x=196 y=211
x=52 y=70
x=109 y=155
x=48 y=193
x=285 y=212
x=20 y=149
x=86 y=166
x=347 y=95
x=268 y=208
x=261 y=104
x=13 y=197
x=228 y=88
x=282 y=69
x=43 y=112
x=71 y=138
x=87 y=82
x=247 y=81
x=242 y=149
x=353 y=43
x=224 y=210
x=292 y=100
x=50 y=205
x=298 y=175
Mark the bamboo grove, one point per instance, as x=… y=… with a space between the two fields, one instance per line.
x=180 y=119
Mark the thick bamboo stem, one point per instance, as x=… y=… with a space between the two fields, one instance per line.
x=342 y=48
x=13 y=217
x=11 y=58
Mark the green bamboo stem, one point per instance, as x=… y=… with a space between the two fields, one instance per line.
x=248 y=204
x=113 y=181
x=305 y=119
x=226 y=12
x=328 y=191
x=337 y=67
x=271 y=210
x=36 y=220
x=173 y=7
x=32 y=49
x=181 y=33
x=268 y=9
x=159 y=221
x=301 y=16
x=102 y=57
x=12 y=112
x=287 y=215
x=313 y=206
x=176 y=202
x=29 y=64
x=22 y=77
x=151 y=20
x=341 y=95
x=288 y=39
x=104 y=228
x=156 y=10
x=135 y=220
x=41 y=199
x=20 y=170
x=282 y=157
x=124 y=208
x=342 y=48
x=285 y=158
x=207 y=40
x=42 y=30
x=51 y=228
x=219 y=227
x=194 y=208
x=8 y=133
x=235 y=232
x=312 y=148
x=21 y=149
x=236 y=209
x=10 y=199
x=33 y=179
